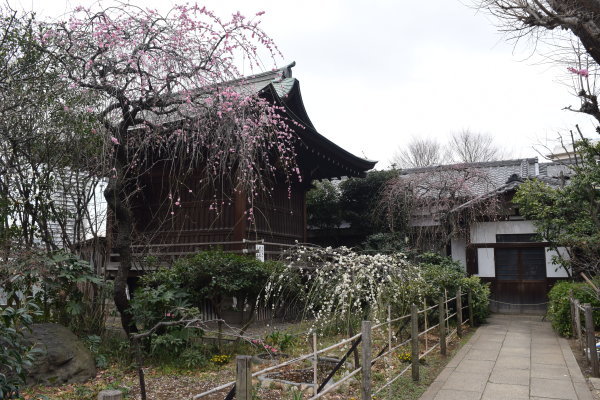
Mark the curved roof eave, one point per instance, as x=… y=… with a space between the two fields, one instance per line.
x=309 y=133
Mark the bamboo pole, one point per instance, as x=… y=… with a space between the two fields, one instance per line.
x=315 y=364
x=366 y=361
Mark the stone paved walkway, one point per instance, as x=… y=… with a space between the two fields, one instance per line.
x=512 y=357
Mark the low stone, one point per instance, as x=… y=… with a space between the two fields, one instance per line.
x=63 y=359
x=110 y=395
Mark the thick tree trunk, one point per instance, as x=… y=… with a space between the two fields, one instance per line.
x=115 y=197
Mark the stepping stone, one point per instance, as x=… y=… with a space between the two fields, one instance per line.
x=510 y=376
x=499 y=391
x=465 y=381
x=552 y=388
x=446 y=394
x=547 y=371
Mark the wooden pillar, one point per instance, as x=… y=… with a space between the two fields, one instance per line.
x=591 y=339
x=243 y=381
x=470 y=300
x=240 y=218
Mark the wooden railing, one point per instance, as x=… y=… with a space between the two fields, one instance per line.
x=585 y=332
x=168 y=252
x=420 y=324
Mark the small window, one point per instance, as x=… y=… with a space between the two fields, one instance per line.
x=516 y=238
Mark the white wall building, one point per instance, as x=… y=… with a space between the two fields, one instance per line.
x=505 y=250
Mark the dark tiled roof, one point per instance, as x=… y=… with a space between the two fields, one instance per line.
x=502 y=176
x=486 y=176
x=484 y=164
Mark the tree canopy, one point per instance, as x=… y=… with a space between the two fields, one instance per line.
x=170 y=89
x=561 y=21
x=569 y=216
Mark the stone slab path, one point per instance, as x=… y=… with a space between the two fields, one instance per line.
x=512 y=357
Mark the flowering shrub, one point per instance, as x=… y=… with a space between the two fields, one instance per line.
x=270 y=349
x=340 y=284
x=220 y=359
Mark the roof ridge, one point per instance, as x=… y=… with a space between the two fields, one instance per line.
x=514 y=161
x=280 y=73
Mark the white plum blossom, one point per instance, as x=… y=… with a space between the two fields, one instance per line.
x=338 y=285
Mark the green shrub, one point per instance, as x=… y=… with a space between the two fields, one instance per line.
x=165 y=301
x=385 y=242
x=207 y=276
x=64 y=286
x=281 y=340
x=559 y=309
x=93 y=343
x=194 y=357
x=480 y=294
x=16 y=357
x=442 y=273
x=171 y=294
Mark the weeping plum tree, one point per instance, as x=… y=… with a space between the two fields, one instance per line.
x=163 y=81
x=427 y=204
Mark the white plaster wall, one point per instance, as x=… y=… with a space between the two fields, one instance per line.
x=485 y=232
x=458 y=247
x=554 y=270
x=487 y=266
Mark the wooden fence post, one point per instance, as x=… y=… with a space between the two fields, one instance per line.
x=414 y=336
x=243 y=381
x=110 y=395
x=459 y=313
x=447 y=311
x=470 y=300
x=365 y=389
x=578 y=323
x=591 y=339
x=442 y=325
x=572 y=305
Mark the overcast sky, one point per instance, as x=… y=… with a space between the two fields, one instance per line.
x=375 y=73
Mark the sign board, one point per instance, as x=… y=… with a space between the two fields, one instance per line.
x=260 y=252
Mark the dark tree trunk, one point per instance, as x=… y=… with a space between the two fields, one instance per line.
x=116 y=197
